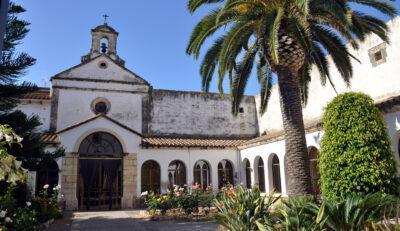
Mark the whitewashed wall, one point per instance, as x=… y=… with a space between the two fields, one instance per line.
x=393 y=124
x=379 y=82
x=71 y=139
x=41 y=108
x=74 y=106
x=91 y=70
x=266 y=152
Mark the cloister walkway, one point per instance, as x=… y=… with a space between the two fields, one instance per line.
x=122 y=221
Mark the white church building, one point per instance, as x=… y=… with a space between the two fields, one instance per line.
x=122 y=137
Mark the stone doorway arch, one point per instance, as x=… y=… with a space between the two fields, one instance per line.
x=100 y=184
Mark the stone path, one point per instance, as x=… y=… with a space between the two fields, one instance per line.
x=124 y=220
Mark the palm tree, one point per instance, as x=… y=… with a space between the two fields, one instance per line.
x=285 y=37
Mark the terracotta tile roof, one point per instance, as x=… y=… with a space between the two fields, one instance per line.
x=190 y=142
x=41 y=94
x=390 y=104
x=49 y=138
x=274 y=136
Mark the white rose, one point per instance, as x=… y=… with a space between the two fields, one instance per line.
x=3 y=214
x=8 y=220
x=8 y=138
x=144 y=193
x=19 y=139
x=46 y=186
x=28 y=203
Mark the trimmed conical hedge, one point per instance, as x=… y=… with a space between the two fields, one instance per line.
x=355 y=151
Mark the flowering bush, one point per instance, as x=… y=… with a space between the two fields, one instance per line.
x=14 y=216
x=46 y=204
x=162 y=202
x=187 y=200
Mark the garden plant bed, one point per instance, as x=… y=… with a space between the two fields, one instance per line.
x=179 y=215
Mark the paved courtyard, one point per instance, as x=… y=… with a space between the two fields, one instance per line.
x=124 y=220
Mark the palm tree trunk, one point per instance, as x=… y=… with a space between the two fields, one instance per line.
x=298 y=171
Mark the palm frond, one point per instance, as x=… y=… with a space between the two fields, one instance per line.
x=337 y=50
x=193 y=5
x=241 y=77
x=274 y=35
x=209 y=64
x=381 y=5
x=205 y=28
x=264 y=75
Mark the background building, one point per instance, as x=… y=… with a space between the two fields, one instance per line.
x=123 y=137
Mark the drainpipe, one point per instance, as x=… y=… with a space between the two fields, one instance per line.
x=4 y=4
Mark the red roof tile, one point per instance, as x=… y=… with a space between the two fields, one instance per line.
x=49 y=138
x=42 y=94
x=185 y=142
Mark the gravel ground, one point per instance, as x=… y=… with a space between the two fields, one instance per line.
x=124 y=220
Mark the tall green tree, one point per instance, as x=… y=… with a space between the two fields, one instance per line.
x=13 y=66
x=285 y=37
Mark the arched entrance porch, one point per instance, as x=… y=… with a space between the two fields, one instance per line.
x=100 y=172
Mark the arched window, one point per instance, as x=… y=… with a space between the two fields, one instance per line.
x=151 y=175
x=201 y=174
x=248 y=173
x=313 y=155
x=100 y=143
x=276 y=174
x=47 y=174
x=176 y=174
x=261 y=175
x=225 y=173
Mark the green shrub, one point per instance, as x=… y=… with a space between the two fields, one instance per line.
x=162 y=202
x=46 y=204
x=15 y=214
x=358 y=213
x=189 y=203
x=242 y=209
x=298 y=213
x=24 y=219
x=355 y=151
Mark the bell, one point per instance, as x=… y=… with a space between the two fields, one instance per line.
x=103 y=48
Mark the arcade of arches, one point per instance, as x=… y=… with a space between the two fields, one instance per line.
x=273 y=177
x=177 y=175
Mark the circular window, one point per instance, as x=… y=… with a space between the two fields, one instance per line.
x=100 y=106
x=103 y=65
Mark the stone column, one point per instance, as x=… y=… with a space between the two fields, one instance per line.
x=31 y=182
x=69 y=180
x=129 y=165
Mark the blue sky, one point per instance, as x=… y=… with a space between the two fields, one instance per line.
x=152 y=40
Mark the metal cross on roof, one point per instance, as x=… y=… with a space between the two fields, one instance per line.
x=105 y=18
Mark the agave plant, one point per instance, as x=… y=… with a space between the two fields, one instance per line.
x=285 y=37
x=299 y=214
x=245 y=209
x=358 y=213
